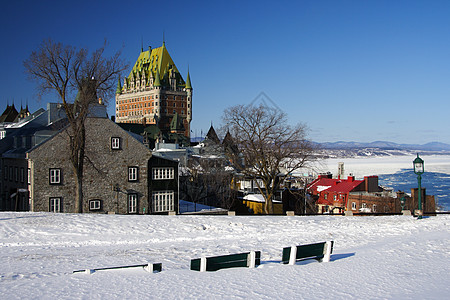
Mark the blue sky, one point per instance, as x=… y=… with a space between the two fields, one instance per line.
x=350 y=70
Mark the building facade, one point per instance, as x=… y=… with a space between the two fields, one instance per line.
x=115 y=171
x=155 y=93
x=163 y=185
x=333 y=194
x=26 y=131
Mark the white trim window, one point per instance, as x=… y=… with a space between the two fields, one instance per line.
x=115 y=143
x=374 y=208
x=95 y=204
x=353 y=205
x=55 y=176
x=132 y=203
x=163 y=201
x=163 y=173
x=55 y=204
x=132 y=173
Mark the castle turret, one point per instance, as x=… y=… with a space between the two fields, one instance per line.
x=188 y=89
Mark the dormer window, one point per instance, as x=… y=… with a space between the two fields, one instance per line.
x=115 y=143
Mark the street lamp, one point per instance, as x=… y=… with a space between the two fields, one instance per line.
x=419 y=170
x=402 y=203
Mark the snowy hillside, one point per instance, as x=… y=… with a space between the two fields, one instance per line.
x=395 y=257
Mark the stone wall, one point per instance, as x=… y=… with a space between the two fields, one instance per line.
x=105 y=170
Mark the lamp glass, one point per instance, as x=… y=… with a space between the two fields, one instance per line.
x=418 y=165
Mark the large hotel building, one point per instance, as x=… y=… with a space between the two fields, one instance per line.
x=155 y=93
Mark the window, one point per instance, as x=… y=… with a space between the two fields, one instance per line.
x=132 y=203
x=55 y=176
x=162 y=173
x=16 y=174
x=95 y=204
x=5 y=171
x=29 y=176
x=132 y=173
x=325 y=196
x=22 y=175
x=115 y=143
x=374 y=208
x=363 y=205
x=11 y=174
x=163 y=201
x=55 y=204
x=353 y=205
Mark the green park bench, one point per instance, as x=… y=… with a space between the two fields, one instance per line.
x=214 y=263
x=320 y=251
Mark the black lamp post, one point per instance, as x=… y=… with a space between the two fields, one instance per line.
x=419 y=170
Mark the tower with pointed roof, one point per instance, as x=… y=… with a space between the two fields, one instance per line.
x=155 y=93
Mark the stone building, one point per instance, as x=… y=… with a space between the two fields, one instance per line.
x=115 y=170
x=18 y=137
x=155 y=93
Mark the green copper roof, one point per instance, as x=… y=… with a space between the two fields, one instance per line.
x=188 y=81
x=157 y=80
x=176 y=123
x=155 y=62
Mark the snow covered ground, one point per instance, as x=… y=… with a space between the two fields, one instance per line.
x=366 y=166
x=393 y=257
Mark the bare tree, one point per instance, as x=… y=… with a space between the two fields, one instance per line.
x=269 y=146
x=208 y=181
x=78 y=78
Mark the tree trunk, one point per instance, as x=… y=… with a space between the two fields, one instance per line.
x=79 y=194
x=268 y=205
x=77 y=159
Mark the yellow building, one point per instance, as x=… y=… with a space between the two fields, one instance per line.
x=255 y=202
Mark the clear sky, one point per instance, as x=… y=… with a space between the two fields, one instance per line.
x=350 y=70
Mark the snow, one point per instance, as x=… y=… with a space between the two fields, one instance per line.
x=367 y=166
x=389 y=257
x=321 y=188
x=255 y=198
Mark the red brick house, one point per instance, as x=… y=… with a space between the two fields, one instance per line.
x=333 y=194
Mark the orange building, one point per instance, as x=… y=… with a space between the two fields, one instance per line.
x=155 y=93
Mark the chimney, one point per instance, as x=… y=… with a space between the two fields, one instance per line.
x=371 y=184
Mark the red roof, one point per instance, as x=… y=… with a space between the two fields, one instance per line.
x=334 y=185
